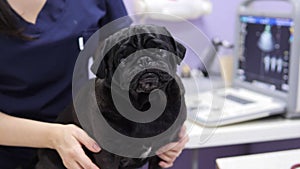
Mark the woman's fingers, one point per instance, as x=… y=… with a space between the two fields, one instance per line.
x=165 y=165
x=75 y=166
x=168 y=147
x=171 y=151
x=175 y=146
x=87 y=141
x=168 y=157
x=84 y=161
x=181 y=144
x=76 y=158
x=69 y=160
x=182 y=132
x=69 y=141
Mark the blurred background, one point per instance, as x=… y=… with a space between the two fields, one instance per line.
x=216 y=19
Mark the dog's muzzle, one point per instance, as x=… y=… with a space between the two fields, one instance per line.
x=148 y=82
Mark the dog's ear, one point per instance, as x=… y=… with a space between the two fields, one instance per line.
x=101 y=70
x=180 y=51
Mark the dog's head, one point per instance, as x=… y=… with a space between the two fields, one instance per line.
x=146 y=57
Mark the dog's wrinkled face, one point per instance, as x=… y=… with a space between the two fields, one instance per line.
x=145 y=61
x=147 y=69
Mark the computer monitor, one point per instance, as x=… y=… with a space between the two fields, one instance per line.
x=275 y=39
x=264 y=51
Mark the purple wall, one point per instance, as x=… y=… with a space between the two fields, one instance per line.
x=221 y=23
x=222 y=17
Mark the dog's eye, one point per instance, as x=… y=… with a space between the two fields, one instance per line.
x=162 y=52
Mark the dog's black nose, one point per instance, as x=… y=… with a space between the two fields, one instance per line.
x=144 y=61
x=148 y=82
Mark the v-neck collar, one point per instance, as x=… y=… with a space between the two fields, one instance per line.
x=49 y=14
x=27 y=11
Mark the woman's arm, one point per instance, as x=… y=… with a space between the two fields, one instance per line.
x=65 y=139
x=26 y=133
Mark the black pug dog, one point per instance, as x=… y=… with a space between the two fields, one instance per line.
x=140 y=73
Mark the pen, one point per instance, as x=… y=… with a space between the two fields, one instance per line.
x=81 y=43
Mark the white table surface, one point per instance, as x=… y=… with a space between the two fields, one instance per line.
x=275 y=160
x=270 y=129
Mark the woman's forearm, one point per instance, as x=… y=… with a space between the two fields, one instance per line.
x=26 y=133
x=67 y=140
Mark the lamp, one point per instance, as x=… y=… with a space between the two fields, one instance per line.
x=185 y=9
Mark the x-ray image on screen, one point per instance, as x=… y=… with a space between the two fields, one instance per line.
x=266 y=40
x=265 y=51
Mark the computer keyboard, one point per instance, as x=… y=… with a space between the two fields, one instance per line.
x=237 y=99
x=225 y=107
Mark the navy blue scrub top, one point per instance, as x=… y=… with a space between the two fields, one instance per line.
x=36 y=76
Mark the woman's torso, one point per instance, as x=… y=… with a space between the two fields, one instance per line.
x=36 y=76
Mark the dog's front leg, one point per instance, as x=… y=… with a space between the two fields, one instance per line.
x=153 y=163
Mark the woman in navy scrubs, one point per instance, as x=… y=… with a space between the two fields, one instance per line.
x=39 y=46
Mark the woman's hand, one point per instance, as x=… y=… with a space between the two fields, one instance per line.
x=67 y=140
x=171 y=151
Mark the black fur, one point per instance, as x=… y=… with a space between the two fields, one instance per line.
x=139 y=96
